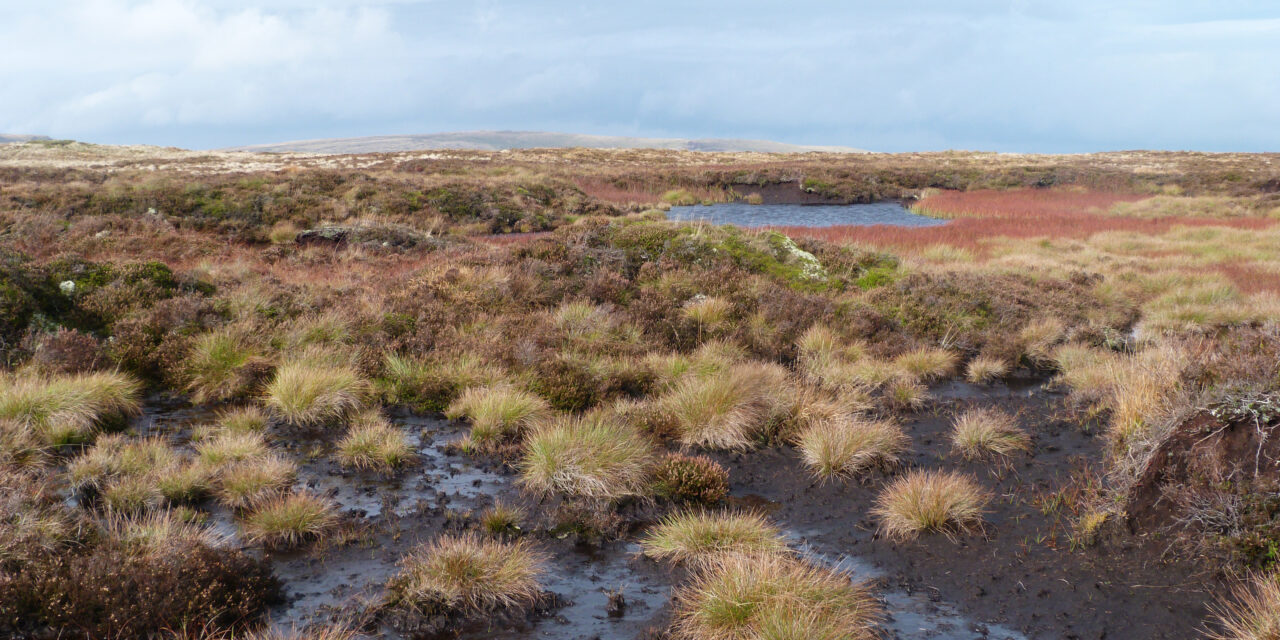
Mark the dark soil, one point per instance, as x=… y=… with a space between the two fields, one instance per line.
x=1019 y=576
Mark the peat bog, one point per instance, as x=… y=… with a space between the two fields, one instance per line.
x=514 y=395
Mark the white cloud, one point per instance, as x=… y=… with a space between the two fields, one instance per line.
x=993 y=74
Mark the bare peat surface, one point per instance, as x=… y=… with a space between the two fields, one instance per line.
x=1020 y=578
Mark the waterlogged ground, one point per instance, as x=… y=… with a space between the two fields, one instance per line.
x=802 y=215
x=1019 y=579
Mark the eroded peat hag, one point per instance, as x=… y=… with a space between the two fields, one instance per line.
x=325 y=377
x=1025 y=572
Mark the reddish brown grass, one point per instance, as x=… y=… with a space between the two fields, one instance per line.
x=1017 y=203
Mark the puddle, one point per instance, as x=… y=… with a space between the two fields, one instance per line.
x=803 y=215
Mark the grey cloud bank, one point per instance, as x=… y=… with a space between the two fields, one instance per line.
x=1008 y=76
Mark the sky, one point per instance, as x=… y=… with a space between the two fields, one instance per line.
x=1016 y=76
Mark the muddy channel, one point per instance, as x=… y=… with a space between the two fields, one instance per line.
x=1020 y=578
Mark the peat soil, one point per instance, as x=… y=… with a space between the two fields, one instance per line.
x=1019 y=577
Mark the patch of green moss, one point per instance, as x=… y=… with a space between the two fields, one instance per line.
x=876 y=276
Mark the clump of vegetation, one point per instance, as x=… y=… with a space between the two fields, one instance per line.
x=99 y=592
x=244 y=484
x=247 y=419
x=498 y=413
x=592 y=456
x=432 y=385
x=290 y=520
x=984 y=369
x=230 y=447
x=773 y=595
x=728 y=411
x=66 y=409
x=905 y=394
x=308 y=391
x=223 y=365
x=690 y=479
x=1251 y=612
x=979 y=433
x=502 y=519
x=697 y=536
x=849 y=447
x=372 y=443
x=925 y=364
x=468 y=574
x=930 y=501
x=159 y=532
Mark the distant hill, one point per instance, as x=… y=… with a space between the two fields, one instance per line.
x=496 y=140
x=19 y=137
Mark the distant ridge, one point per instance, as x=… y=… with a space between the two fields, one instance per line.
x=498 y=140
x=20 y=137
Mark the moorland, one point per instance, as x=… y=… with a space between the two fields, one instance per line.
x=498 y=394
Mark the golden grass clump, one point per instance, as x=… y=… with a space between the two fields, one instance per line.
x=247 y=419
x=243 y=484
x=773 y=596
x=926 y=363
x=289 y=520
x=469 y=574
x=117 y=455
x=65 y=409
x=1038 y=338
x=929 y=501
x=697 y=536
x=980 y=433
x=310 y=391
x=851 y=446
x=159 y=532
x=226 y=448
x=984 y=369
x=731 y=410
x=220 y=365
x=592 y=456
x=373 y=443
x=709 y=313
x=498 y=413
x=1252 y=611
x=905 y=394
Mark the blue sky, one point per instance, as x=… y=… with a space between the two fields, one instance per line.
x=890 y=76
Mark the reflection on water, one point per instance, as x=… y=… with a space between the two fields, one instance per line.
x=800 y=215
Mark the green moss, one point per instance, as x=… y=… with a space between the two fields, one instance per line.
x=876 y=276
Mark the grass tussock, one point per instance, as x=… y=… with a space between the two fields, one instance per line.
x=1250 y=612
x=309 y=391
x=984 y=369
x=592 y=456
x=469 y=574
x=432 y=385
x=729 y=411
x=698 y=536
x=254 y=481
x=159 y=532
x=926 y=364
x=65 y=409
x=773 y=596
x=372 y=442
x=289 y=520
x=850 y=447
x=222 y=365
x=226 y=448
x=905 y=394
x=981 y=433
x=498 y=413
x=247 y=419
x=930 y=501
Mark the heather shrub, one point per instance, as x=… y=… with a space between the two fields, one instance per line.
x=110 y=592
x=67 y=351
x=690 y=479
